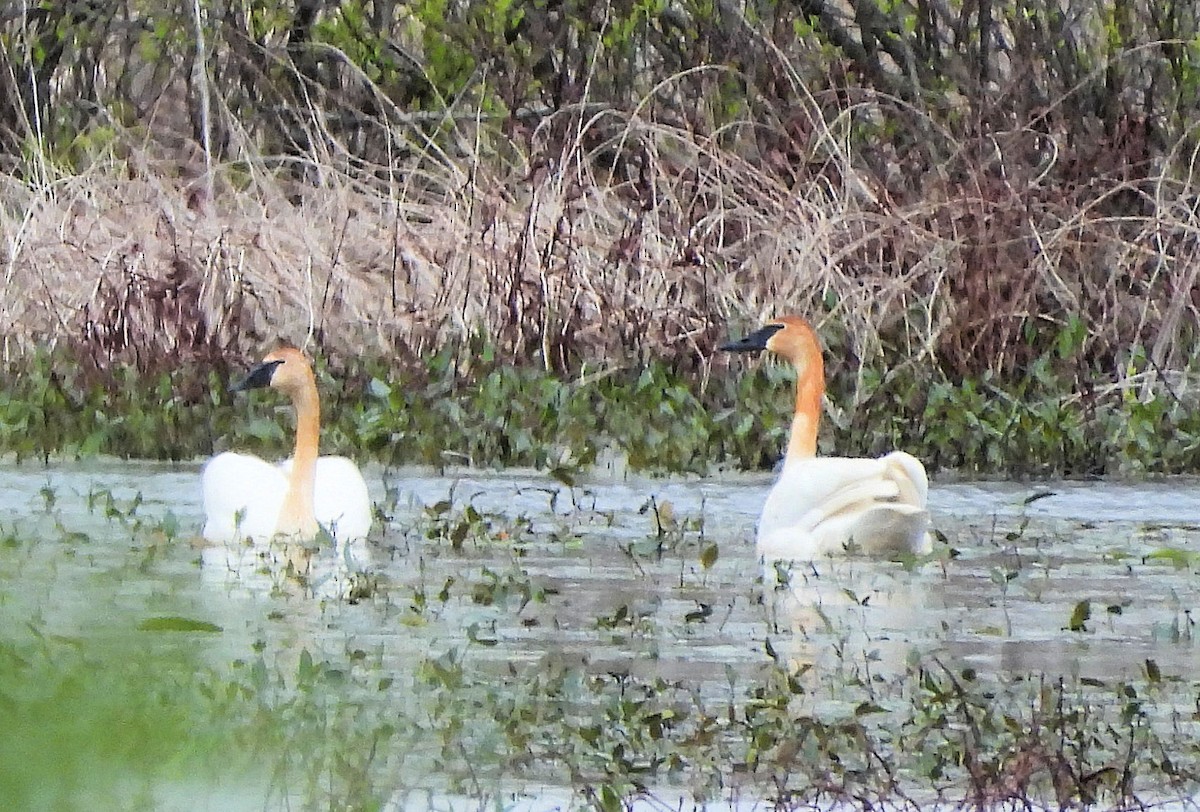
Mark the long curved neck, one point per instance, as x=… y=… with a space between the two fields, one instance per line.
x=810 y=388
x=298 y=516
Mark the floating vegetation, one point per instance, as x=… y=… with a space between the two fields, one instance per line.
x=177 y=624
x=642 y=661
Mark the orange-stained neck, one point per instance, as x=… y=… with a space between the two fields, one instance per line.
x=298 y=514
x=802 y=443
x=798 y=343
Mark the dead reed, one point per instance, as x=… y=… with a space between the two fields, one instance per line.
x=600 y=239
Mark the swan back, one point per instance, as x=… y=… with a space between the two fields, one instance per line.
x=825 y=505
x=341 y=501
x=242 y=497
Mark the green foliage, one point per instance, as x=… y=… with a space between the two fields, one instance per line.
x=1072 y=742
x=50 y=405
x=525 y=416
x=442 y=523
x=1080 y=615
x=496 y=414
x=1037 y=423
x=177 y=624
x=87 y=721
x=349 y=30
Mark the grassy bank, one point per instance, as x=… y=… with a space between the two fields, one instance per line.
x=539 y=319
x=999 y=246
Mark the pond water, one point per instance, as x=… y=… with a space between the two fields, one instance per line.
x=484 y=579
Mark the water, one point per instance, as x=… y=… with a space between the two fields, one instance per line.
x=618 y=577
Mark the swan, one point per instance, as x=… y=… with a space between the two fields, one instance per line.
x=247 y=497
x=822 y=506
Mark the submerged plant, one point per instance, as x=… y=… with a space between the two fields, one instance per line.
x=441 y=522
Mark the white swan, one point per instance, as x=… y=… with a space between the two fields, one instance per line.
x=823 y=506
x=247 y=497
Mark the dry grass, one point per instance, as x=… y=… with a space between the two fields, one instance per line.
x=604 y=239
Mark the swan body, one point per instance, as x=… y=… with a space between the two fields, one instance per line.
x=341 y=502
x=247 y=497
x=822 y=506
x=829 y=505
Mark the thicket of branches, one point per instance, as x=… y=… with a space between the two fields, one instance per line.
x=965 y=183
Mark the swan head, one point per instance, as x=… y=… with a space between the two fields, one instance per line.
x=286 y=369
x=789 y=336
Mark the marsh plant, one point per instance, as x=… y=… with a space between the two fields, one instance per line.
x=654 y=418
x=448 y=523
x=513 y=216
x=338 y=728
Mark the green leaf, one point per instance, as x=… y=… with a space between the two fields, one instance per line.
x=1180 y=559
x=177 y=624
x=1079 y=617
x=379 y=389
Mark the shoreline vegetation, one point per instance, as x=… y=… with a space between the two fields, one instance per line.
x=516 y=233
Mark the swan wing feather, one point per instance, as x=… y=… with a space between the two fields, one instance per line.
x=909 y=474
x=820 y=505
x=342 y=502
x=243 y=484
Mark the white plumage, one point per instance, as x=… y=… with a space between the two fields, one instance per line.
x=243 y=483
x=829 y=505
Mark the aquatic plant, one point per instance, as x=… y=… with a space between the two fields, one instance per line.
x=438 y=682
x=651 y=418
x=447 y=523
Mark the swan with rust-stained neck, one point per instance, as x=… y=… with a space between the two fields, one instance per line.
x=247 y=497
x=821 y=506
